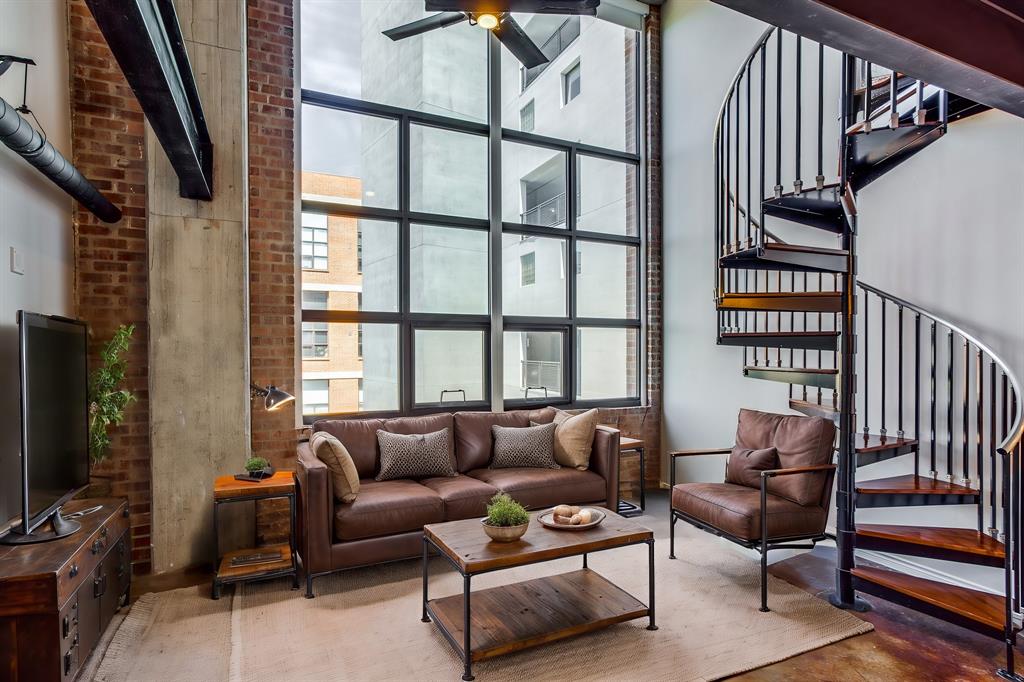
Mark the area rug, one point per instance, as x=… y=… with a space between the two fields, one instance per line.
x=365 y=624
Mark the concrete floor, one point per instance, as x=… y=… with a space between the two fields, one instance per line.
x=905 y=645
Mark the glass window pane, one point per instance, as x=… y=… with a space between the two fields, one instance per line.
x=594 y=103
x=546 y=293
x=447 y=172
x=449 y=365
x=357 y=267
x=533 y=364
x=358 y=370
x=345 y=52
x=606 y=280
x=606 y=363
x=448 y=270
x=533 y=185
x=349 y=158
x=607 y=195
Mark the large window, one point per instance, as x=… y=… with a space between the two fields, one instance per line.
x=405 y=227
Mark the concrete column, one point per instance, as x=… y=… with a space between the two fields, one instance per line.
x=198 y=349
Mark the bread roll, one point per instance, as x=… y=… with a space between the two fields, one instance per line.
x=574 y=510
x=560 y=519
x=585 y=516
x=563 y=510
x=576 y=519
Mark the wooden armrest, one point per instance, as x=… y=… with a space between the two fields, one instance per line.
x=691 y=453
x=797 y=470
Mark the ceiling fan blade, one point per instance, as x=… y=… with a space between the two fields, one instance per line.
x=425 y=24
x=518 y=43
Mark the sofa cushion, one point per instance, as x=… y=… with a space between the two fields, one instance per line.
x=529 y=446
x=359 y=437
x=474 y=441
x=332 y=452
x=463 y=497
x=745 y=465
x=415 y=455
x=574 y=438
x=539 y=488
x=735 y=509
x=387 y=507
x=800 y=441
x=429 y=423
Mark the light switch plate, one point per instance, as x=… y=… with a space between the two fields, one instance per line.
x=17 y=262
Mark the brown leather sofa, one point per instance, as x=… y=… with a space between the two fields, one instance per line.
x=792 y=509
x=385 y=522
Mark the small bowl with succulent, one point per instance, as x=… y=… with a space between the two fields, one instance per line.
x=256 y=469
x=506 y=519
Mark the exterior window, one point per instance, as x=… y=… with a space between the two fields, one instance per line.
x=526 y=117
x=314 y=241
x=315 y=396
x=359 y=253
x=314 y=300
x=528 y=269
x=571 y=84
x=314 y=341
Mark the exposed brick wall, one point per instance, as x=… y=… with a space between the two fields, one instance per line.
x=271 y=71
x=111 y=280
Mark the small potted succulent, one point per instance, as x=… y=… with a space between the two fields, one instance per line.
x=506 y=519
x=257 y=469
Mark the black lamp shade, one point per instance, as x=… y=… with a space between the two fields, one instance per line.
x=276 y=398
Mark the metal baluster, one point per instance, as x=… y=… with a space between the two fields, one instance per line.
x=920 y=115
x=899 y=390
x=884 y=378
x=934 y=471
x=917 y=392
x=867 y=97
x=993 y=414
x=819 y=329
x=820 y=179
x=894 y=114
x=805 y=329
x=944 y=108
x=867 y=363
x=750 y=163
x=949 y=410
x=778 y=118
x=965 y=435
x=761 y=159
x=737 y=181
x=835 y=353
x=798 y=183
x=980 y=437
x=728 y=166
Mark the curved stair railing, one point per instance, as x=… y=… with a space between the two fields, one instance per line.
x=801 y=130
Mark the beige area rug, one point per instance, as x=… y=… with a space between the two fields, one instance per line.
x=365 y=625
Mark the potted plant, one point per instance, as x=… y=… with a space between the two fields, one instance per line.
x=506 y=520
x=257 y=468
x=107 y=403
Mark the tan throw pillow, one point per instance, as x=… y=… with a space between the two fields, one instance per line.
x=333 y=453
x=574 y=438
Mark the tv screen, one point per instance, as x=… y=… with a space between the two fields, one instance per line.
x=55 y=413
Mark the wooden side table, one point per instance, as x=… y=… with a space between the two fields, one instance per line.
x=627 y=508
x=226 y=490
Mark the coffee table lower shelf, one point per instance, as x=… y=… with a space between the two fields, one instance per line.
x=522 y=615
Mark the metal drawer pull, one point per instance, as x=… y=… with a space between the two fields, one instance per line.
x=74 y=571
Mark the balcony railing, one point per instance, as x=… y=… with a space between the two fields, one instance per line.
x=536 y=375
x=552 y=47
x=547 y=213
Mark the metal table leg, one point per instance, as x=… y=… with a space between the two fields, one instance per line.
x=467 y=653
x=643 y=501
x=291 y=542
x=650 y=579
x=215 y=589
x=426 y=574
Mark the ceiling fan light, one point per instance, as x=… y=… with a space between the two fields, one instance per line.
x=488 y=21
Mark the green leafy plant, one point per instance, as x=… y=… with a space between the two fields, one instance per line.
x=254 y=464
x=107 y=400
x=504 y=511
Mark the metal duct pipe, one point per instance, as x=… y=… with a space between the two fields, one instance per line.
x=23 y=139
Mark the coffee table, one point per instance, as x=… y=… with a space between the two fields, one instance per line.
x=509 y=618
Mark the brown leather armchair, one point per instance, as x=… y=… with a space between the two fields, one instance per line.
x=790 y=505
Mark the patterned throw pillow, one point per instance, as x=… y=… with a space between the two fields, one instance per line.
x=334 y=455
x=416 y=455
x=531 y=446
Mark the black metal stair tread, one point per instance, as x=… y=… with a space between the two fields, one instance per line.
x=820 y=208
x=873 y=442
x=961 y=540
x=875 y=153
x=781 y=336
x=795 y=257
x=983 y=608
x=803 y=370
x=814 y=409
x=909 y=484
x=806 y=301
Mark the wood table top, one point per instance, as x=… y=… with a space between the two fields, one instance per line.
x=627 y=443
x=227 y=487
x=469 y=547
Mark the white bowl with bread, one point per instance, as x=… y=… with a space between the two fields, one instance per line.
x=571 y=517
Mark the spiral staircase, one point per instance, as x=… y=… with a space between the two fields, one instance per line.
x=803 y=128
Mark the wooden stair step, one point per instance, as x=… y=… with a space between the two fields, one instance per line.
x=775 y=301
x=910 y=490
x=813 y=409
x=958 y=544
x=982 y=611
x=786 y=257
x=803 y=376
x=873 y=447
x=800 y=340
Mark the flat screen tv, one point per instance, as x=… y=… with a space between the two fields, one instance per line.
x=54 y=423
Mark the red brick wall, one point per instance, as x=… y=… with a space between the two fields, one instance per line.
x=111 y=281
x=272 y=234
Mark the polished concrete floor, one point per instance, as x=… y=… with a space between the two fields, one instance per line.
x=905 y=645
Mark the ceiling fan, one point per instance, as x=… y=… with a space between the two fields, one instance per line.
x=496 y=17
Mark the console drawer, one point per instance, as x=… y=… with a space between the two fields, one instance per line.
x=84 y=562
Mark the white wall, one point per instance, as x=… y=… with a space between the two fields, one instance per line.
x=35 y=216
x=942 y=230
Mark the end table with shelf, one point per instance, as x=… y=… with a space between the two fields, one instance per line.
x=626 y=508
x=226 y=490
